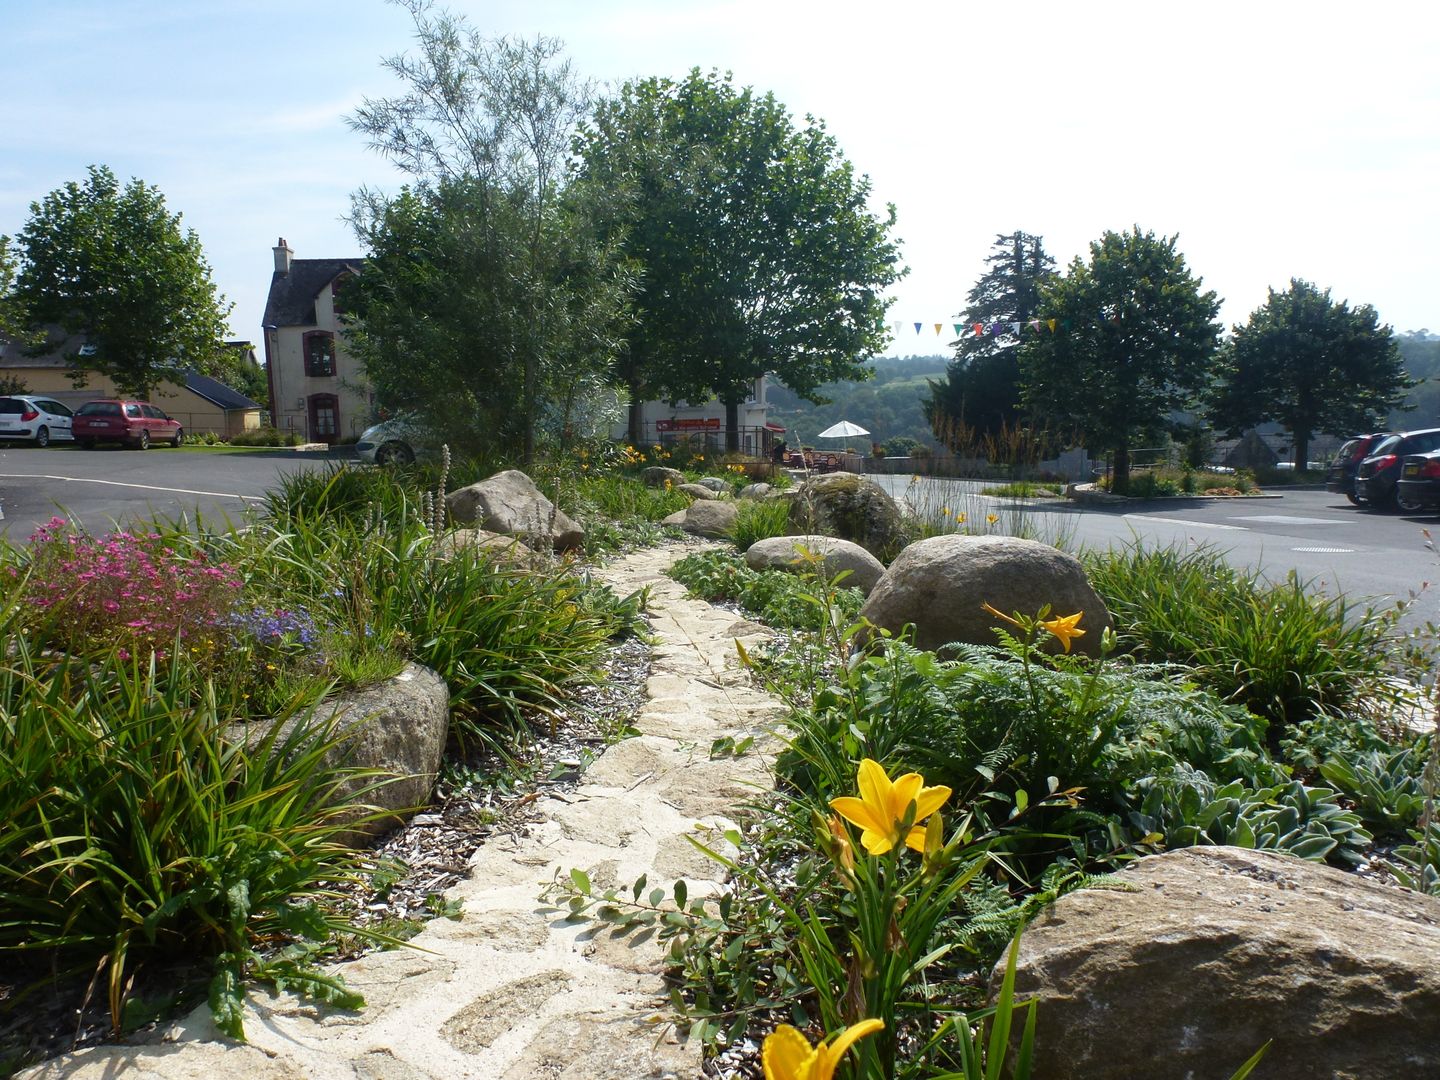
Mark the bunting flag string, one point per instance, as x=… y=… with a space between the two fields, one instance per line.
x=1016 y=327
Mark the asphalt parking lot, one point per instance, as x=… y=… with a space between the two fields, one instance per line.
x=104 y=488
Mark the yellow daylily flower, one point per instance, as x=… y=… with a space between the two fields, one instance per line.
x=990 y=519
x=788 y=1055
x=960 y=517
x=880 y=810
x=1065 y=628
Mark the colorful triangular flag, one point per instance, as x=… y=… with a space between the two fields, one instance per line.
x=937 y=329
x=917 y=328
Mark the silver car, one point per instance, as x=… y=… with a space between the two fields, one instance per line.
x=31 y=418
x=392 y=442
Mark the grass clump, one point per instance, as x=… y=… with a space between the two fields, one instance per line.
x=759 y=519
x=1283 y=651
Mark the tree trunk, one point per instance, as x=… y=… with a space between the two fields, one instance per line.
x=732 y=427
x=1120 y=474
x=1302 y=450
x=528 y=408
x=635 y=423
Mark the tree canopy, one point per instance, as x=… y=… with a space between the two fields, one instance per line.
x=980 y=396
x=1313 y=365
x=113 y=268
x=1134 y=340
x=757 y=249
x=488 y=296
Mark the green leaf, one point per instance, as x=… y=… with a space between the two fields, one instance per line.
x=581 y=879
x=227 y=1003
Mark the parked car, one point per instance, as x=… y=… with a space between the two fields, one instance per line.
x=135 y=423
x=390 y=442
x=1377 y=477
x=1340 y=474
x=1419 y=484
x=34 y=419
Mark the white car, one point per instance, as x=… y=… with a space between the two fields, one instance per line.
x=391 y=442
x=40 y=420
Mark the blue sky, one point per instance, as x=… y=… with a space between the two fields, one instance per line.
x=1278 y=139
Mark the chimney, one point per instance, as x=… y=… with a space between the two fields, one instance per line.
x=283 y=255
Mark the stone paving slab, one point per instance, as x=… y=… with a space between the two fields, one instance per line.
x=511 y=991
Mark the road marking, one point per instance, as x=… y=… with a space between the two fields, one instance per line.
x=1186 y=521
x=1287 y=519
x=1326 y=550
x=121 y=483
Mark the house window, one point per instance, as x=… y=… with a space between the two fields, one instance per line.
x=319 y=353
x=324 y=417
x=337 y=287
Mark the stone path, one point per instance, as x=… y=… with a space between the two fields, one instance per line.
x=511 y=992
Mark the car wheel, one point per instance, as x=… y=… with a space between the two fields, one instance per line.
x=42 y=436
x=179 y=438
x=86 y=444
x=1407 y=506
x=1355 y=500
x=394 y=453
x=142 y=441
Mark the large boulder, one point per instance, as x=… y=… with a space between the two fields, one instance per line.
x=754 y=491
x=706 y=517
x=659 y=476
x=501 y=549
x=511 y=504
x=1219 y=950
x=714 y=483
x=698 y=491
x=397 y=727
x=851 y=507
x=787 y=553
x=939 y=584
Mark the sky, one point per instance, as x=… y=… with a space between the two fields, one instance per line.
x=1278 y=139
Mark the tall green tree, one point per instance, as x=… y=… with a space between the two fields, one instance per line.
x=758 y=251
x=981 y=391
x=1134 y=340
x=1313 y=365
x=112 y=267
x=484 y=126
x=14 y=325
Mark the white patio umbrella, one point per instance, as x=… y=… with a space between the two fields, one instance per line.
x=843 y=430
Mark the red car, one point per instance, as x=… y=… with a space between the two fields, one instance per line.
x=135 y=423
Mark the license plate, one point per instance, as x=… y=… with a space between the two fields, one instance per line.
x=1411 y=470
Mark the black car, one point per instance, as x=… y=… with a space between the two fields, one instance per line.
x=1419 y=484
x=1376 y=479
x=1340 y=475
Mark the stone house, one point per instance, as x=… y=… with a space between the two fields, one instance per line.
x=317 y=389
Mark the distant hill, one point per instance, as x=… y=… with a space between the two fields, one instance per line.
x=887 y=404
x=1421 y=350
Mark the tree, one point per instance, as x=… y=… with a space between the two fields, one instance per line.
x=1312 y=364
x=440 y=311
x=14 y=324
x=981 y=391
x=485 y=128
x=113 y=269
x=1133 y=341
x=757 y=249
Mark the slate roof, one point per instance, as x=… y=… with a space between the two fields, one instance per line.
x=218 y=393
x=292 y=296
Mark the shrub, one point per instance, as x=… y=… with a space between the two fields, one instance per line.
x=136 y=590
x=265 y=436
x=780 y=597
